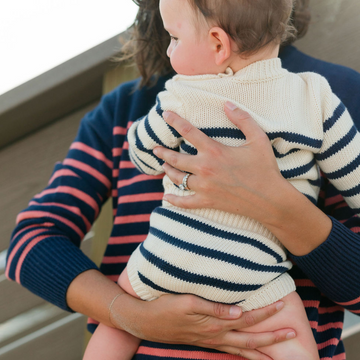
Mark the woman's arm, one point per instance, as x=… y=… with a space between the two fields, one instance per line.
x=247 y=181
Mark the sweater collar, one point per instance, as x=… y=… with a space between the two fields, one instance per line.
x=259 y=71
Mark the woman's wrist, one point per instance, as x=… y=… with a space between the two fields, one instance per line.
x=299 y=224
x=91 y=293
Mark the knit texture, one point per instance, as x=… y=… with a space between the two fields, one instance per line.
x=326 y=279
x=221 y=256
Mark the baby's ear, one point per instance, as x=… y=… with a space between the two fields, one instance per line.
x=221 y=44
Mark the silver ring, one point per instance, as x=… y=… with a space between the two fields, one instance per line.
x=184 y=184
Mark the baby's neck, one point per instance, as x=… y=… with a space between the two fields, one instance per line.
x=237 y=62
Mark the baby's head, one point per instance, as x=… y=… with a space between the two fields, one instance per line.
x=209 y=35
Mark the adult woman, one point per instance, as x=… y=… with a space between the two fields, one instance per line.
x=98 y=162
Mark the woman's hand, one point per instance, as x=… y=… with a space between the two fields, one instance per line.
x=226 y=178
x=187 y=319
x=244 y=180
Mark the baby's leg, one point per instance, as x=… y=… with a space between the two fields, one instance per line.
x=113 y=344
x=293 y=315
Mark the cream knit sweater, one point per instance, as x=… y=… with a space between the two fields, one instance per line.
x=218 y=255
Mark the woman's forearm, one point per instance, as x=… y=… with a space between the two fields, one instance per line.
x=91 y=294
x=299 y=225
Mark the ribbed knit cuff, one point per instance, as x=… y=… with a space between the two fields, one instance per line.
x=334 y=265
x=51 y=266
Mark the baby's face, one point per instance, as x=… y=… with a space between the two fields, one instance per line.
x=190 y=49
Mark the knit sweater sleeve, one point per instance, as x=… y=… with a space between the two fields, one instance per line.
x=152 y=130
x=44 y=254
x=333 y=266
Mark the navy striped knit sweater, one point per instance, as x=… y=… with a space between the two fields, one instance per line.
x=44 y=256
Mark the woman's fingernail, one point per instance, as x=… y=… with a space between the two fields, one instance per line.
x=279 y=305
x=165 y=114
x=155 y=151
x=230 y=106
x=234 y=311
x=290 y=335
x=164 y=198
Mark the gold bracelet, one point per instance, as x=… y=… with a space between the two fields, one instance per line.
x=111 y=304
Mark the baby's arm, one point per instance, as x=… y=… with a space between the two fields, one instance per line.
x=151 y=131
x=339 y=156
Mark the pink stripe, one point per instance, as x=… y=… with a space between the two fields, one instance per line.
x=335 y=357
x=94 y=153
x=328 y=310
x=333 y=200
x=128 y=219
x=116 y=240
x=62 y=172
x=355 y=229
x=355 y=311
x=183 y=354
x=28 y=247
x=72 y=209
x=38 y=214
x=140 y=197
x=304 y=283
x=351 y=302
x=118 y=130
x=116 y=151
x=313 y=324
x=138 y=178
x=29 y=227
x=325 y=327
x=18 y=245
x=126 y=145
x=127 y=165
x=88 y=169
x=332 y=325
x=333 y=341
x=72 y=191
x=311 y=303
x=115 y=173
x=115 y=259
x=114 y=192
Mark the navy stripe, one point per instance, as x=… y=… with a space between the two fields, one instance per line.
x=151 y=133
x=328 y=124
x=351 y=192
x=215 y=254
x=148 y=282
x=217 y=132
x=295 y=138
x=144 y=163
x=154 y=286
x=301 y=170
x=345 y=170
x=280 y=156
x=194 y=278
x=188 y=149
x=139 y=145
x=316 y=182
x=211 y=230
x=340 y=144
x=160 y=111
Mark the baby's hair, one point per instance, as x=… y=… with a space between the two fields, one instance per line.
x=149 y=40
x=252 y=24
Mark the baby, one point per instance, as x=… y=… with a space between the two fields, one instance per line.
x=227 y=51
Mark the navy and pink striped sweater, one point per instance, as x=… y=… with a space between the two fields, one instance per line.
x=44 y=256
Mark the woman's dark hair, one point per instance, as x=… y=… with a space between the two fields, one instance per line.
x=149 y=40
